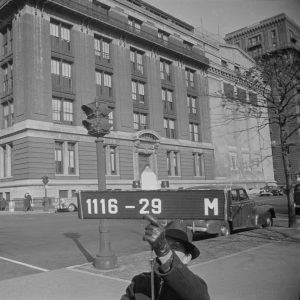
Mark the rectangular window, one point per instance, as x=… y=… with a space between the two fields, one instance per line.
x=62 y=110
x=7 y=70
x=102 y=48
x=138 y=91
x=66 y=158
x=173 y=163
x=6 y=160
x=188 y=46
x=165 y=70
x=163 y=36
x=169 y=126
x=59 y=158
x=60 y=34
x=61 y=73
x=191 y=104
x=167 y=98
x=71 y=158
x=194 y=132
x=190 y=78
x=134 y=24
x=8 y=114
x=7 y=40
x=198 y=159
x=136 y=61
x=140 y=121
x=233 y=161
x=246 y=162
x=103 y=84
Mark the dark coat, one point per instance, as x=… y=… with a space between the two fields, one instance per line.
x=179 y=283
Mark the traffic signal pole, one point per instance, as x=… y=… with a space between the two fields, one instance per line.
x=97 y=124
x=105 y=259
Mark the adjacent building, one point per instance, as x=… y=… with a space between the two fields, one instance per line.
x=271 y=35
x=163 y=82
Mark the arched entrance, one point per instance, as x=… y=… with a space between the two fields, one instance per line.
x=146 y=143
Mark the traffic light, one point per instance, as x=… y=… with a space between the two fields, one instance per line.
x=97 y=122
x=45 y=179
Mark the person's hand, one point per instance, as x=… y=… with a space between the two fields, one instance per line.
x=155 y=236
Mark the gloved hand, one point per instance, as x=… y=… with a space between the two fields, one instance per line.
x=155 y=236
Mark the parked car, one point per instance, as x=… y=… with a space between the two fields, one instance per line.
x=67 y=204
x=235 y=211
x=297 y=197
x=265 y=192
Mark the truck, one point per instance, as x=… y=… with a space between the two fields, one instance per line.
x=233 y=211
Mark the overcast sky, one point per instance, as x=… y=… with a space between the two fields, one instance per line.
x=224 y=16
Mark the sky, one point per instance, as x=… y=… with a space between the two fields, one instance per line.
x=224 y=16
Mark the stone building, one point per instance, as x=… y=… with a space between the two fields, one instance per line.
x=158 y=76
x=272 y=35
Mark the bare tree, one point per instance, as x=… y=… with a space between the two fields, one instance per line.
x=276 y=80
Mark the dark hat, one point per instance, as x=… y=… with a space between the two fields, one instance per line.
x=182 y=234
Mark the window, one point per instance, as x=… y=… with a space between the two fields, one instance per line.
x=228 y=90
x=6 y=160
x=191 y=104
x=103 y=84
x=254 y=40
x=167 y=99
x=233 y=161
x=253 y=98
x=138 y=91
x=224 y=63
x=169 y=126
x=7 y=40
x=237 y=69
x=198 y=159
x=136 y=61
x=246 y=162
x=134 y=24
x=139 y=121
x=60 y=36
x=273 y=34
x=62 y=110
x=61 y=72
x=165 y=70
x=256 y=166
x=112 y=160
x=58 y=158
x=194 y=132
x=164 y=36
x=8 y=114
x=102 y=48
x=111 y=119
x=173 y=165
x=187 y=45
x=7 y=70
x=66 y=158
x=190 y=78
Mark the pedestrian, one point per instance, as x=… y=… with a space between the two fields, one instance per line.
x=2 y=203
x=27 y=202
x=170 y=278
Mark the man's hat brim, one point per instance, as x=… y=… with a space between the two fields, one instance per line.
x=182 y=237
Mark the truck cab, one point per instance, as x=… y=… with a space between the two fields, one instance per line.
x=240 y=212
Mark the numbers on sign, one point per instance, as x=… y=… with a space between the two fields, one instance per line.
x=110 y=206
x=155 y=206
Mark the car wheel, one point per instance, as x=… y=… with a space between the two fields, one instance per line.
x=224 y=230
x=71 y=207
x=268 y=220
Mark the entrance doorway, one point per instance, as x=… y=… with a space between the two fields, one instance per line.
x=144 y=160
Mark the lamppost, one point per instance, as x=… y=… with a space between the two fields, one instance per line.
x=97 y=124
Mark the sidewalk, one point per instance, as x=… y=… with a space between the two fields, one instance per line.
x=261 y=264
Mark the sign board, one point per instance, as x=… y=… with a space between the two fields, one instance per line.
x=179 y=204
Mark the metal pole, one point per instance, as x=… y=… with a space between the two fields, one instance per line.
x=105 y=259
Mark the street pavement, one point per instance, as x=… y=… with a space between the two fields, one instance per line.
x=252 y=265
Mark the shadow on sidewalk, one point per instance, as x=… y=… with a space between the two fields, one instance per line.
x=75 y=237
